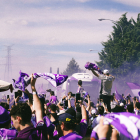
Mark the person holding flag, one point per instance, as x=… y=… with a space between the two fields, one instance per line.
x=106 y=86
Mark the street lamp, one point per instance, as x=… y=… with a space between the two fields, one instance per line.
x=114 y=23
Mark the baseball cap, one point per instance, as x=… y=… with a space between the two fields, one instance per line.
x=65 y=117
x=106 y=71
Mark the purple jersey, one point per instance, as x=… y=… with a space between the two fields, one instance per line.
x=31 y=133
x=80 y=90
x=53 y=99
x=83 y=127
x=71 y=136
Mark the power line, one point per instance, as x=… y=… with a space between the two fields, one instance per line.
x=8 y=65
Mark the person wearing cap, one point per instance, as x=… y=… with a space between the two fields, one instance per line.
x=5 y=123
x=106 y=86
x=66 y=127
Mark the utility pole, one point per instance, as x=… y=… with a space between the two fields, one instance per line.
x=8 y=65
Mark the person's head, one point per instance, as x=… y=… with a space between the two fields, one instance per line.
x=21 y=115
x=69 y=93
x=123 y=95
x=19 y=93
x=66 y=123
x=106 y=72
x=112 y=98
x=138 y=105
x=5 y=119
x=130 y=108
x=72 y=112
x=128 y=100
x=52 y=93
x=53 y=107
x=101 y=110
x=80 y=82
x=91 y=104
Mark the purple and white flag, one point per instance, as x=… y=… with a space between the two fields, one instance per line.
x=126 y=123
x=24 y=79
x=117 y=95
x=135 y=88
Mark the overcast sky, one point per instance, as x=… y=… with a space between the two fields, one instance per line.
x=49 y=33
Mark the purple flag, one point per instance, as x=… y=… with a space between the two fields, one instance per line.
x=89 y=65
x=135 y=88
x=127 y=124
x=117 y=95
x=24 y=79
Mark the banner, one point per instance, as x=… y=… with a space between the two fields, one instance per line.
x=135 y=88
x=24 y=79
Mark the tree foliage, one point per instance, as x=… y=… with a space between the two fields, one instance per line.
x=72 y=68
x=121 y=53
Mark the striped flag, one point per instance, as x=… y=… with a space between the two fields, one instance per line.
x=117 y=95
x=135 y=88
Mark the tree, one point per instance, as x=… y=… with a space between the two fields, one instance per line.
x=72 y=68
x=121 y=54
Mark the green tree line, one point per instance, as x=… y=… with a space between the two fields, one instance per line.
x=121 y=52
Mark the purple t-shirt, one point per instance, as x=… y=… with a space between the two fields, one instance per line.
x=80 y=90
x=53 y=99
x=31 y=133
x=71 y=136
x=83 y=127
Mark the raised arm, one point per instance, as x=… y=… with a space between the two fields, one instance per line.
x=30 y=97
x=104 y=131
x=97 y=75
x=16 y=100
x=88 y=108
x=37 y=103
x=60 y=107
x=69 y=103
x=84 y=113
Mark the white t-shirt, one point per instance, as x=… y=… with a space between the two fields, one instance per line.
x=106 y=83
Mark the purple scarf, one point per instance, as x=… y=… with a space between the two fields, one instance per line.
x=117 y=95
x=89 y=65
x=24 y=79
x=126 y=123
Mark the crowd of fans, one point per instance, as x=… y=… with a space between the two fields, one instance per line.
x=39 y=118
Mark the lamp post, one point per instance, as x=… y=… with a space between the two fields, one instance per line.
x=114 y=23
